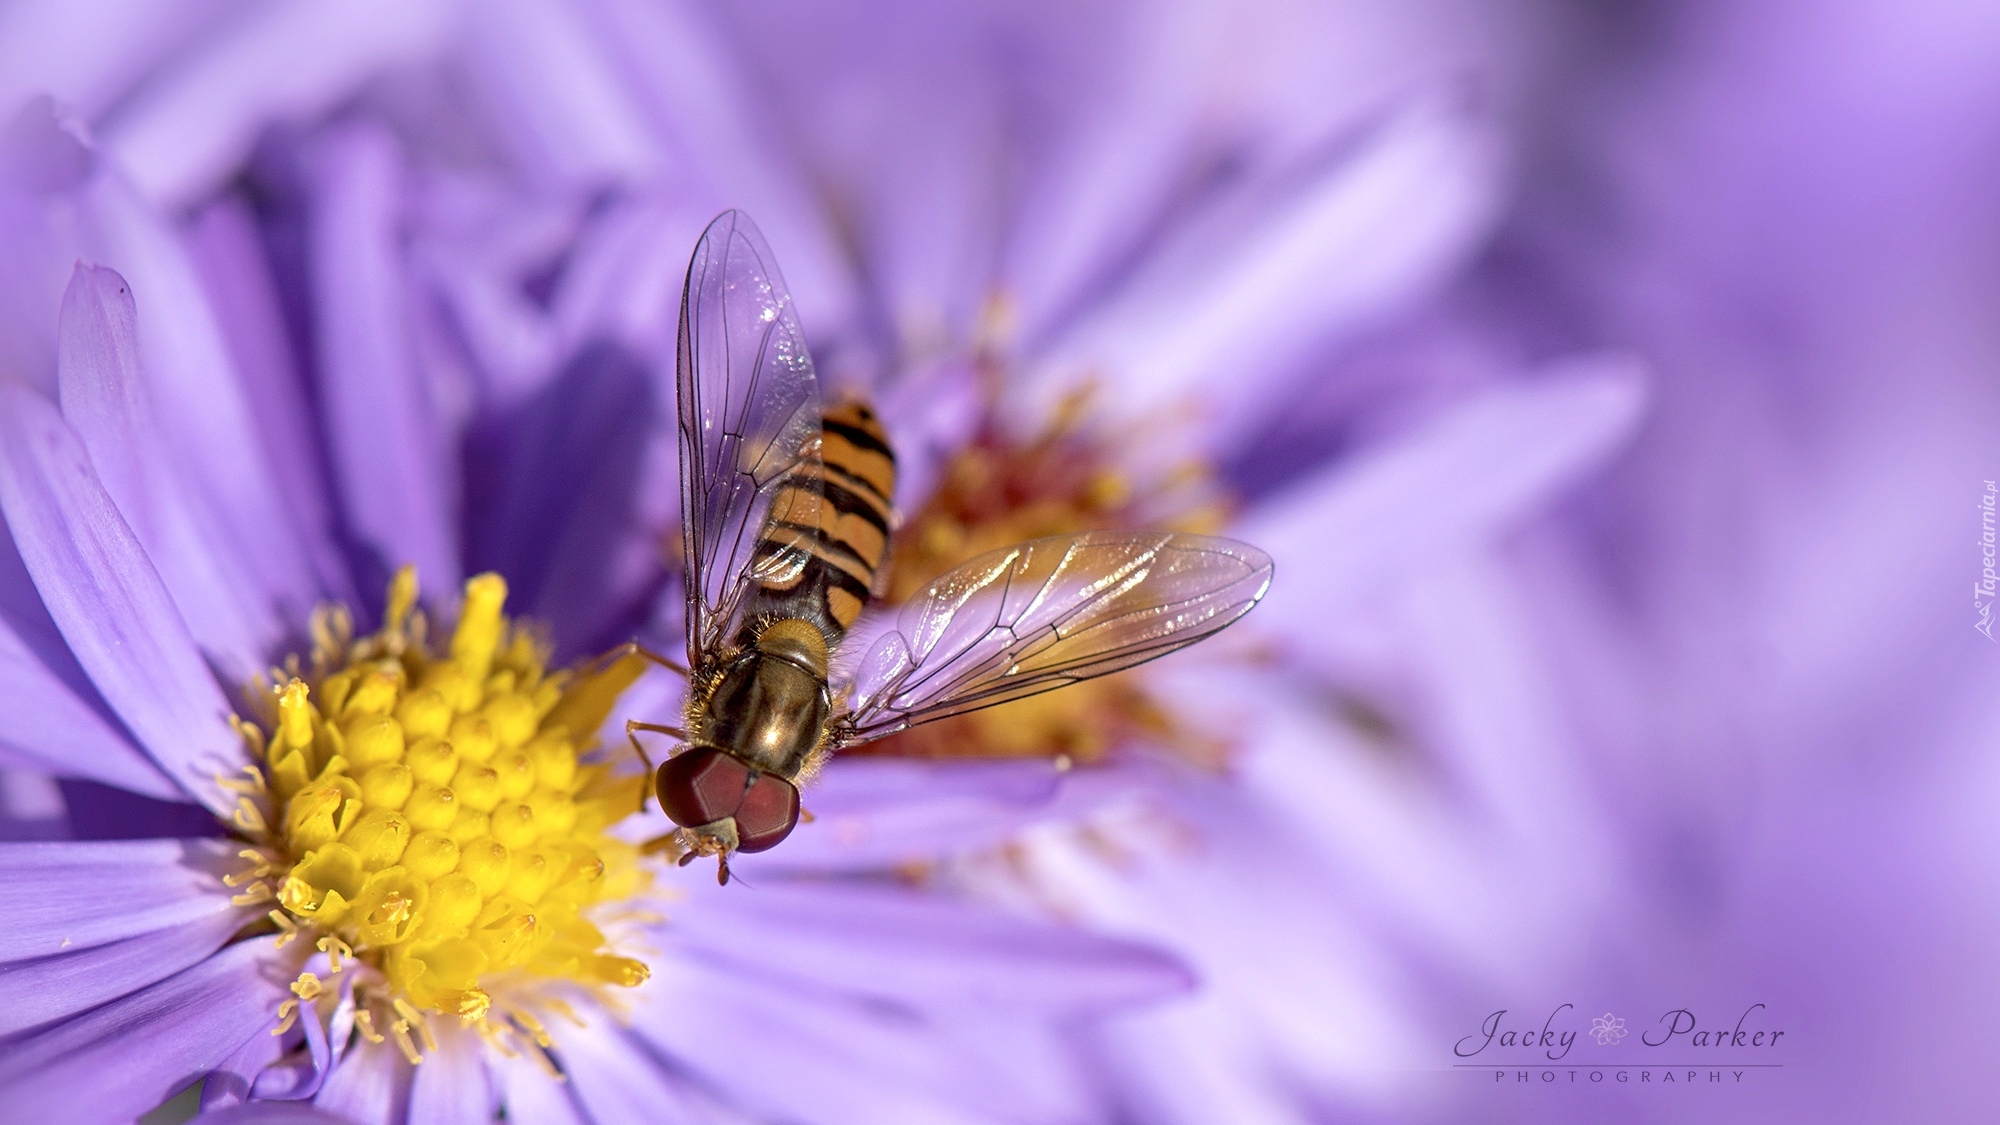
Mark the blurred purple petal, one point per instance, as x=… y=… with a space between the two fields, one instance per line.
x=1355 y=526
x=916 y=949
x=561 y=521
x=878 y=812
x=268 y=1113
x=387 y=441
x=134 y=1052
x=184 y=132
x=558 y=105
x=615 y=1079
x=1250 y=289
x=530 y=1093
x=453 y=1086
x=104 y=594
x=225 y=247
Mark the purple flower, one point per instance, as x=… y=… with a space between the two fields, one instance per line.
x=418 y=865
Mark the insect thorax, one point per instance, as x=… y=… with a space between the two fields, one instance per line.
x=768 y=706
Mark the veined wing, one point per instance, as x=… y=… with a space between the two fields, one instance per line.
x=1048 y=613
x=749 y=411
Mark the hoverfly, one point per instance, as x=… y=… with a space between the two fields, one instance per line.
x=785 y=521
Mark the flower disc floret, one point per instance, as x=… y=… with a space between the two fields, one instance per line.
x=429 y=817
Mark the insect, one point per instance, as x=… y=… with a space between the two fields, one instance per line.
x=785 y=521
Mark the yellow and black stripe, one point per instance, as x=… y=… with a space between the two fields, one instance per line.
x=832 y=512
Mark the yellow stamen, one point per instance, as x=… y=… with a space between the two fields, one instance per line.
x=425 y=814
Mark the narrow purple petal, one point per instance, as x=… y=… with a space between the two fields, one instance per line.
x=920 y=949
x=51 y=729
x=880 y=812
x=615 y=1079
x=233 y=1078
x=224 y=243
x=1252 y=289
x=133 y=1053
x=109 y=602
x=370 y=1086
x=556 y=103
x=1346 y=531
x=187 y=129
x=52 y=988
x=385 y=439
x=718 y=120
x=530 y=1093
x=837 y=1059
x=453 y=1086
x=106 y=399
x=197 y=393
x=65 y=896
x=562 y=521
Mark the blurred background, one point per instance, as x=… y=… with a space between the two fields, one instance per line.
x=1616 y=384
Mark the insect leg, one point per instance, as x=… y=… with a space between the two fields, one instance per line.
x=632 y=729
x=669 y=664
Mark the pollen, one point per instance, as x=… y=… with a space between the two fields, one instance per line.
x=431 y=816
x=1003 y=488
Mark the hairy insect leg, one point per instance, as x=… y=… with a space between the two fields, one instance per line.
x=632 y=729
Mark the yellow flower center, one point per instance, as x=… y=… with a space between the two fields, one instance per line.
x=430 y=820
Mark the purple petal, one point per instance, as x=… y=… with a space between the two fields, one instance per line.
x=236 y=1075
x=1459 y=479
x=106 y=399
x=186 y=130
x=109 y=602
x=385 y=440
x=268 y=1113
x=49 y=728
x=530 y=1093
x=197 y=394
x=1252 y=290
x=370 y=1086
x=920 y=950
x=31 y=806
x=224 y=244
x=717 y=119
x=563 y=524
x=74 y=896
x=880 y=812
x=453 y=1086
x=131 y=1054
x=616 y=1078
x=558 y=106
x=836 y=1060
x=51 y=988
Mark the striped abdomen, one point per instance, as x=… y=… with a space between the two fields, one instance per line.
x=832 y=512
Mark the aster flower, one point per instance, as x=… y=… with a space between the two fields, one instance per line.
x=414 y=890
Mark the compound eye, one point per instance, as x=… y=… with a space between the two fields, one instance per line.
x=769 y=811
x=701 y=786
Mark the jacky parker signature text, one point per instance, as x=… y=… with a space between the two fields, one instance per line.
x=1678 y=1027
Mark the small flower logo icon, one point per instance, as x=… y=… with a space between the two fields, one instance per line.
x=1608 y=1029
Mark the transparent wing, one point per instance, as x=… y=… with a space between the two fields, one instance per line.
x=749 y=411
x=1047 y=613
